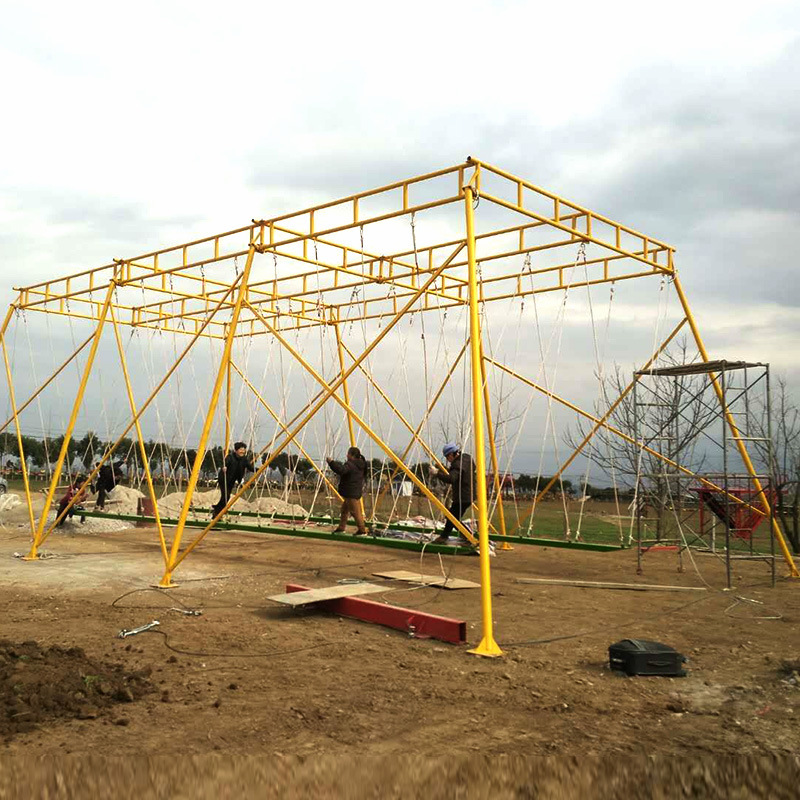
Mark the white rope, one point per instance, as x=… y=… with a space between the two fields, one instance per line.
x=640 y=443
x=557 y=333
x=38 y=398
x=599 y=356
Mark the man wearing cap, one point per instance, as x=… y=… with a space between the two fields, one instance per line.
x=461 y=477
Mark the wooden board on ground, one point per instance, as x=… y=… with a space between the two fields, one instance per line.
x=633 y=587
x=428 y=580
x=326 y=593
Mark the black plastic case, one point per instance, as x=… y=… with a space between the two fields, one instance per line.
x=640 y=657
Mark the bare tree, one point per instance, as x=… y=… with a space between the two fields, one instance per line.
x=673 y=414
x=785 y=468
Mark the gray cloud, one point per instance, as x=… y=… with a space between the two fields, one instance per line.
x=707 y=161
x=710 y=164
x=64 y=232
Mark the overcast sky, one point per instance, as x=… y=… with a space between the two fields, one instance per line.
x=129 y=127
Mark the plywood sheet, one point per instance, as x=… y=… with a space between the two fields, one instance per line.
x=326 y=593
x=428 y=580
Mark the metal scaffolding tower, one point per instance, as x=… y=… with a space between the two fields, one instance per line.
x=739 y=496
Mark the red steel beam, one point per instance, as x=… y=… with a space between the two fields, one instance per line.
x=418 y=623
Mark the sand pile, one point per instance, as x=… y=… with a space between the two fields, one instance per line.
x=120 y=500
x=274 y=505
x=170 y=505
x=14 y=513
x=14 y=510
x=123 y=500
x=91 y=524
x=9 y=501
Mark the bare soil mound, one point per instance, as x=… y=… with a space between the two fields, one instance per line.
x=39 y=685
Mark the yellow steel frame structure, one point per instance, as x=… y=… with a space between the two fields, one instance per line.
x=188 y=290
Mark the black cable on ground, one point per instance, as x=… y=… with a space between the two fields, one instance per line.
x=148 y=589
x=615 y=626
x=273 y=654
x=173 y=598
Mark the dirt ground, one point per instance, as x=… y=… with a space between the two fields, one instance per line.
x=314 y=693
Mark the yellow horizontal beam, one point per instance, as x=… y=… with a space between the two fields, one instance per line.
x=579 y=235
x=522 y=293
x=561 y=201
x=314 y=290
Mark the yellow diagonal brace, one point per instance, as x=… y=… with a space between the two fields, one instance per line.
x=431 y=454
x=139 y=437
x=415 y=437
x=166 y=580
x=325 y=396
x=374 y=436
x=141 y=411
x=415 y=433
x=40 y=535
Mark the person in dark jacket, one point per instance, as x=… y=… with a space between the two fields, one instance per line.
x=233 y=472
x=108 y=477
x=351 y=487
x=461 y=478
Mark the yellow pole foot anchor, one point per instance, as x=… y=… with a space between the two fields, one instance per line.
x=488 y=648
x=165 y=583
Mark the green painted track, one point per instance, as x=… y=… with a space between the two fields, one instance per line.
x=382 y=541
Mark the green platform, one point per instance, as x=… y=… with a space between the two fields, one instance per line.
x=383 y=541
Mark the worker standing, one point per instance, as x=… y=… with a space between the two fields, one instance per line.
x=461 y=478
x=351 y=488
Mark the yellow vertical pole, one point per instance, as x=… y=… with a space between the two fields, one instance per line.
x=7 y=320
x=142 y=449
x=745 y=456
x=166 y=580
x=493 y=451
x=228 y=407
x=346 y=396
x=87 y=370
x=487 y=646
x=15 y=413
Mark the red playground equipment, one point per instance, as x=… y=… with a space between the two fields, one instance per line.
x=742 y=518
